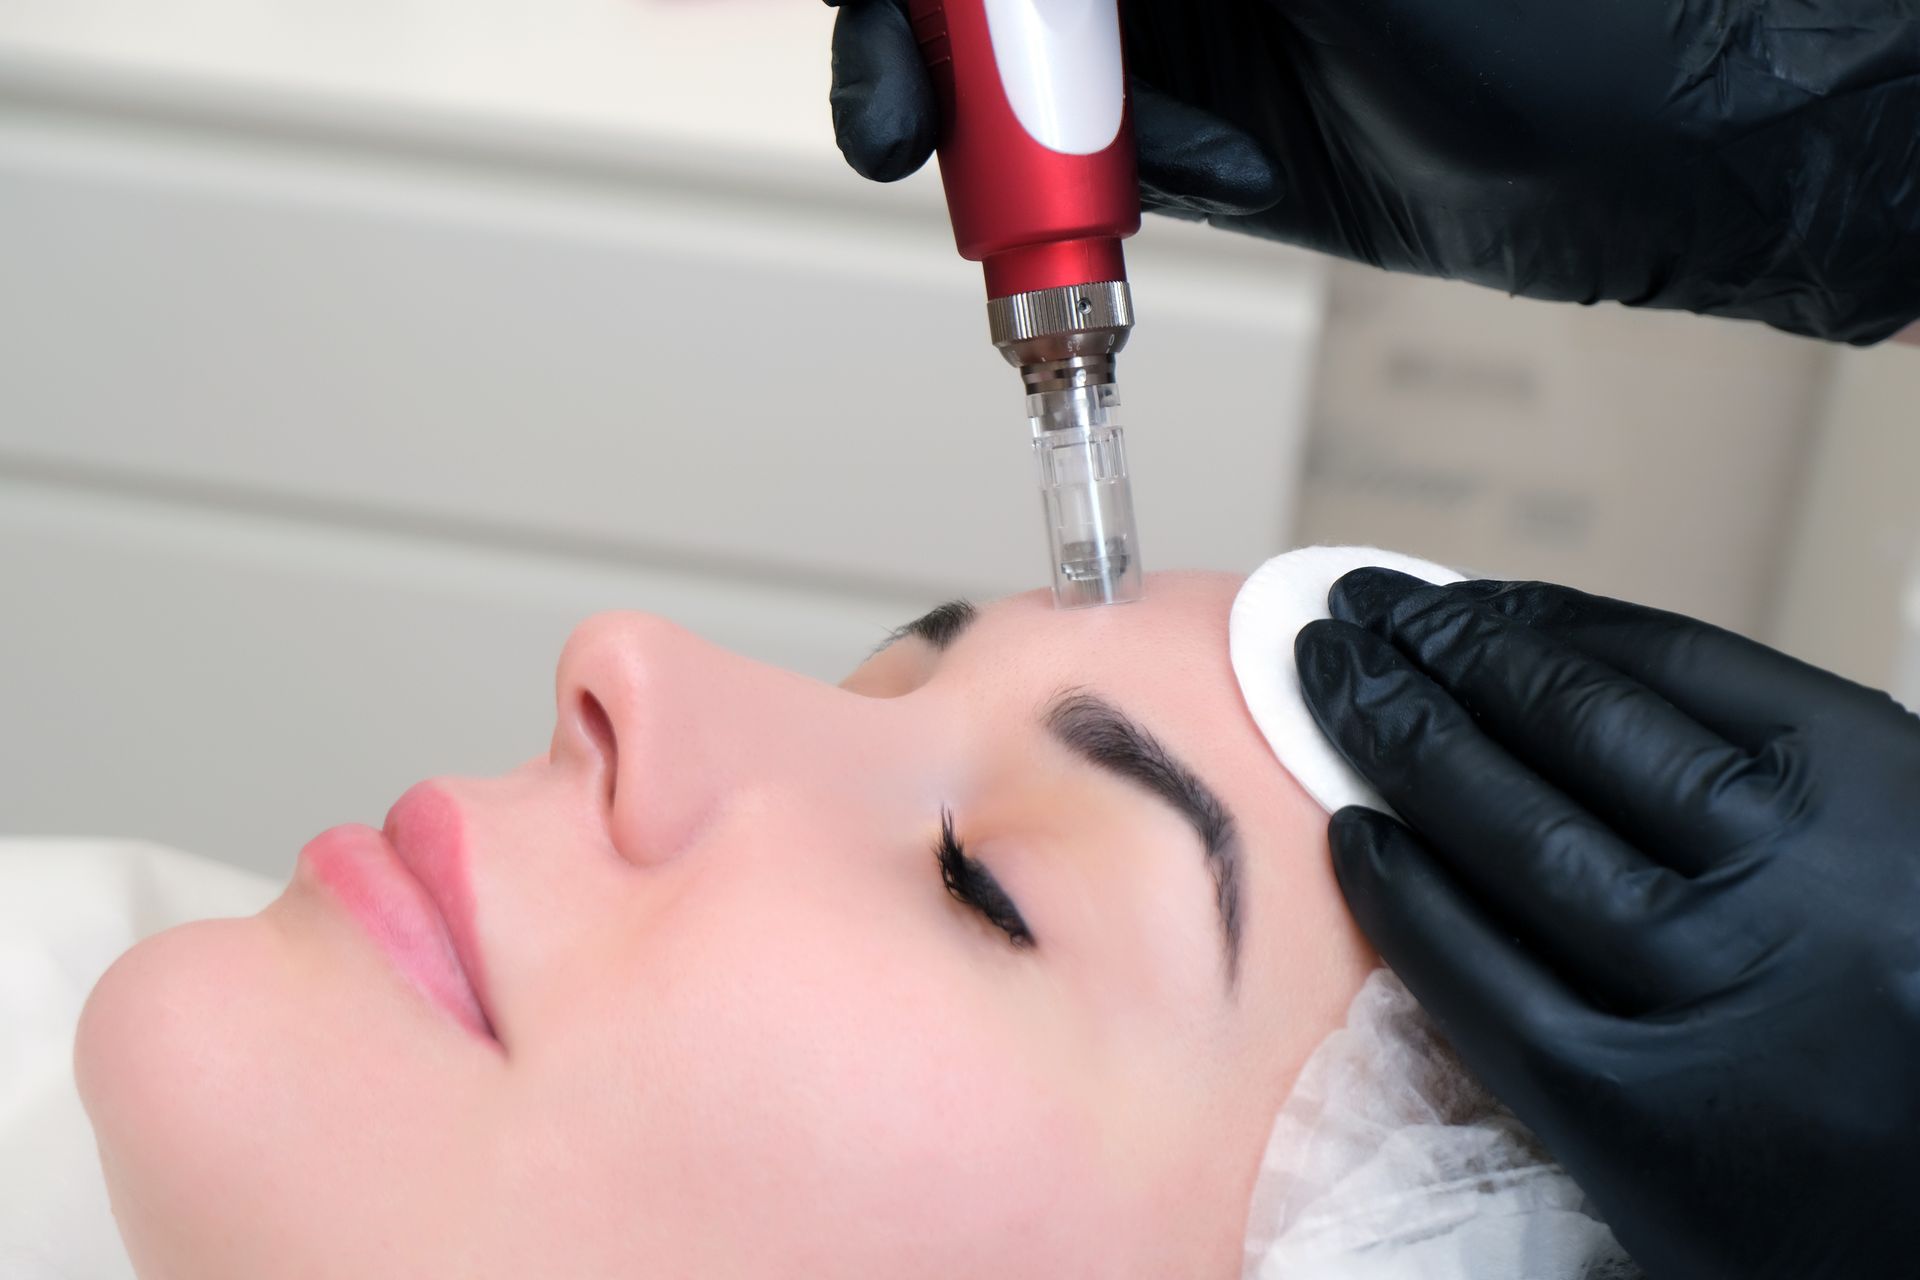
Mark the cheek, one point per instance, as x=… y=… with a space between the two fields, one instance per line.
x=251 y=1093
x=774 y=1091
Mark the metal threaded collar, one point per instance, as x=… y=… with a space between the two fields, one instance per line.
x=1021 y=317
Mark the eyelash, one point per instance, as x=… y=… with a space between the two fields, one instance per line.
x=969 y=881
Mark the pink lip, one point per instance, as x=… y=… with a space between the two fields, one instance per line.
x=407 y=887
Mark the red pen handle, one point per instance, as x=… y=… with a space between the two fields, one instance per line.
x=1035 y=216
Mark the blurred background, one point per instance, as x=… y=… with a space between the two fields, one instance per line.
x=351 y=351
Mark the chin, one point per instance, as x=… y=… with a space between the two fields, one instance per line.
x=255 y=1083
x=163 y=1066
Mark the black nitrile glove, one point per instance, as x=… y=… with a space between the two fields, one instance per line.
x=1664 y=900
x=1759 y=160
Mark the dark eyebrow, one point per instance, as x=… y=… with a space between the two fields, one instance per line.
x=939 y=626
x=1102 y=735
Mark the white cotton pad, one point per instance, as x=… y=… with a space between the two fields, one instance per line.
x=1282 y=596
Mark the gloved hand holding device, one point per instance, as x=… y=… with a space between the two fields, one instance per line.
x=1754 y=161
x=1664 y=899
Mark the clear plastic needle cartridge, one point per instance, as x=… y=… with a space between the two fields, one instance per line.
x=1064 y=342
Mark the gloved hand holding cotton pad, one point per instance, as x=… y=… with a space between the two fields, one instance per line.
x=1388 y=1161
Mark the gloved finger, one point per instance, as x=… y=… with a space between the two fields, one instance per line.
x=1741 y=689
x=1193 y=163
x=1601 y=912
x=885 y=116
x=1507 y=1015
x=1655 y=774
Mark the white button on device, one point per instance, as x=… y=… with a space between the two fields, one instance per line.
x=1059 y=61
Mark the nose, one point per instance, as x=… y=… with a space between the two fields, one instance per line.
x=668 y=732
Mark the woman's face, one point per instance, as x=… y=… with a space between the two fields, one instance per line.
x=719 y=1014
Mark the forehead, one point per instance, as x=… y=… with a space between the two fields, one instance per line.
x=1164 y=660
x=1171 y=644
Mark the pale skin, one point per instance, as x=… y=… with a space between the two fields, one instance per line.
x=744 y=1028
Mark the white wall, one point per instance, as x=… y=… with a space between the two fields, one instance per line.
x=727 y=78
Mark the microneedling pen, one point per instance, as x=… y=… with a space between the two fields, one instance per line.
x=1036 y=153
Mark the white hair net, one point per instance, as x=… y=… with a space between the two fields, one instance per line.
x=1388 y=1161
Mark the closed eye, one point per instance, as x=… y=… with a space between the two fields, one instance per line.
x=970 y=882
